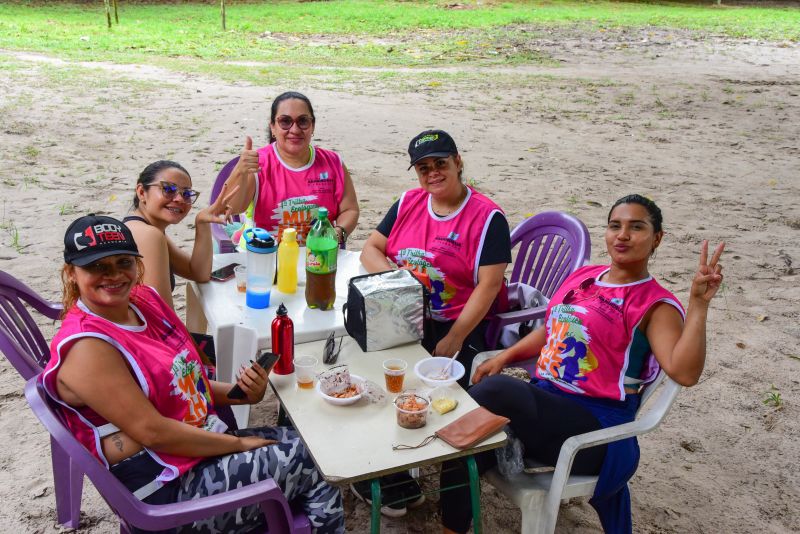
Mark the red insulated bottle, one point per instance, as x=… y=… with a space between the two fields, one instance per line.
x=283 y=342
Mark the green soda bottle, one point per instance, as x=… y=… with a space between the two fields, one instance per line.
x=322 y=248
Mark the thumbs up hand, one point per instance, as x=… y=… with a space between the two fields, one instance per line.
x=248 y=158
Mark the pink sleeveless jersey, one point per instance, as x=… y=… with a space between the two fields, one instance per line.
x=289 y=198
x=447 y=249
x=162 y=360
x=589 y=335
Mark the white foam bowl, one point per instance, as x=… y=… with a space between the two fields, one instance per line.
x=432 y=367
x=355 y=379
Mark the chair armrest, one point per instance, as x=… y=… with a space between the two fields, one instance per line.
x=150 y=517
x=647 y=422
x=519 y=316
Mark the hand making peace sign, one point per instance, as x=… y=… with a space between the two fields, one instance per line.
x=219 y=211
x=708 y=277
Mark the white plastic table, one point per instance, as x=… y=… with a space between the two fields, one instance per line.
x=352 y=443
x=219 y=309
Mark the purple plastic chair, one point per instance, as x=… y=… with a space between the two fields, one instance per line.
x=217 y=231
x=134 y=513
x=25 y=347
x=552 y=245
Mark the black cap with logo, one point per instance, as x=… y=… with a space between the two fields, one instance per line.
x=431 y=144
x=93 y=237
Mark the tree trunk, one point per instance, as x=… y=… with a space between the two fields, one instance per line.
x=108 y=12
x=222 y=12
x=116 y=15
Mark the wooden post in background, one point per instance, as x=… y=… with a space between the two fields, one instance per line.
x=108 y=13
x=222 y=12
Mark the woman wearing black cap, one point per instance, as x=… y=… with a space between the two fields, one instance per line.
x=452 y=236
x=134 y=392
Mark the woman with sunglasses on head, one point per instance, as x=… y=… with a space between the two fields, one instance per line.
x=289 y=179
x=456 y=239
x=133 y=390
x=608 y=331
x=164 y=196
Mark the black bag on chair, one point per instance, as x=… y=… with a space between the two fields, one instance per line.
x=387 y=309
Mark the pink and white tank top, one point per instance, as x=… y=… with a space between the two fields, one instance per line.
x=590 y=329
x=162 y=360
x=447 y=248
x=289 y=198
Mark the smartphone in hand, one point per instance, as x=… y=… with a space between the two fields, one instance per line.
x=223 y=274
x=266 y=360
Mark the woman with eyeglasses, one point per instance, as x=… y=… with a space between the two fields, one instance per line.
x=133 y=390
x=164 y=196
x=289 y=179
x=608 y=331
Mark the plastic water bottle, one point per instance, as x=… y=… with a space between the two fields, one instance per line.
x=260 y=266
x=288 y=254
x=322 y=249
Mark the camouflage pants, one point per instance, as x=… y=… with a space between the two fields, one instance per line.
x=288 y=463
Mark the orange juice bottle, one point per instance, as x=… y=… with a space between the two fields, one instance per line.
x=288 y=254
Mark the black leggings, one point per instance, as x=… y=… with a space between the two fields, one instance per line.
x=540 y=419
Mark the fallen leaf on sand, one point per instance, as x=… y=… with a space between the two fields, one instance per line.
x=762 y=318
x=741 y=345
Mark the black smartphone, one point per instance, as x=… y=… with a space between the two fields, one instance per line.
x=224 y=274
x=266 y=360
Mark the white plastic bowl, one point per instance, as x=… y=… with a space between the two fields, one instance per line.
x=432 y=367
x=355 y=379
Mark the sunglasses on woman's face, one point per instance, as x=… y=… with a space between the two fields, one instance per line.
x=303 y=122
x=169 y=190
x=572 y=294
x=439 y=164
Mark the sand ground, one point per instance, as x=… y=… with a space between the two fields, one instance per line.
x=706 y=126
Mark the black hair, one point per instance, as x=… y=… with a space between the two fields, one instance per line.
x=288 y=95
x=653 y=211
x=150 y=172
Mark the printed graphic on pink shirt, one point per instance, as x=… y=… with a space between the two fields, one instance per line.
x=297 y=213
x=566 y=357
x=190 y=384
x=421 y=261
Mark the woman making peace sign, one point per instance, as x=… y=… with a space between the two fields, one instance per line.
x=607 y=331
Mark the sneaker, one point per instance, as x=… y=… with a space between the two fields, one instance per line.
x=412 y=492
x=363 y=492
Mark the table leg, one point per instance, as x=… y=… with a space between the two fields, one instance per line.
x=474 y=494
x=195 y=318
x=376 y=506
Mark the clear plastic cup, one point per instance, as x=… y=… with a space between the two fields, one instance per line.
x=241 y=278
x=304 y=371
x=412 y=410
x=394 y=371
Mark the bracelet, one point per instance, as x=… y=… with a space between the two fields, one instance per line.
x=343 y=239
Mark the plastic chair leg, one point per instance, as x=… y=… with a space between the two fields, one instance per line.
x=68 y=482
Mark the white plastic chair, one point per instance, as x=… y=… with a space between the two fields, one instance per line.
x=539 y=495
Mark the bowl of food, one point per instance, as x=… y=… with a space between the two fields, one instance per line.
x=347 y=390
x=442 y=399
x=431 y=371
x=412 y=410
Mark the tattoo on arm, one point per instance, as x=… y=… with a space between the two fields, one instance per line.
x=117 y=441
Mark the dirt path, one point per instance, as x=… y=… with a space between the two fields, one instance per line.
x=708 y=127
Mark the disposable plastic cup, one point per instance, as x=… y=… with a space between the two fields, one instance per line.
x=241 y=278
x=304 y=371
x=394 y=371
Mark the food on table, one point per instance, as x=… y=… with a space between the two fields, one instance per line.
x=351 y=391
x=442 y=406
x=412 y=410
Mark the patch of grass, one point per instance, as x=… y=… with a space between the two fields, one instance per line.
x=355 y=32
x=13 y=232
x=772 y=397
